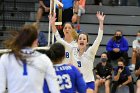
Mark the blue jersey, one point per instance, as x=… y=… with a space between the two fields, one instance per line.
x=70 y=79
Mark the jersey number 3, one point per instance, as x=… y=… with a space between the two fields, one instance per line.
x=64 y=81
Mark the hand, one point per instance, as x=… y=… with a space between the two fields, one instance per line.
x=74 y=18
x=47 y=9
x=104 y=80
x=120 y=70
x=100 y=16
x=120 y=86
x=52 y=19
x=101 y=81
x=116 y=50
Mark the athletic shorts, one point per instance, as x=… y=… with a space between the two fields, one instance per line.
x=91 y=85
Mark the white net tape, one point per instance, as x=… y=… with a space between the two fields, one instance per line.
x=37 y=48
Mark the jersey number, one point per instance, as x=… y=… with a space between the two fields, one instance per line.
x=67 y=54
x=64 y=81
x=79 y=63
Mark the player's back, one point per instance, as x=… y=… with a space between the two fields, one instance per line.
x=70 y=79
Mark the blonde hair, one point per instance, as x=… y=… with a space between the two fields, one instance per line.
x=74 y=34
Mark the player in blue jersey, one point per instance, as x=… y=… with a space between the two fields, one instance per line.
x=69 y=78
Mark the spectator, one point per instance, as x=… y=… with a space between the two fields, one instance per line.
x=117 y=47
x=23 y=70
x=69 y=78
x=136 y=51
x=103 y=73
x=44 y=8
x=81 y=11
x=122 y=77
x=42 y=39
x=68 y=15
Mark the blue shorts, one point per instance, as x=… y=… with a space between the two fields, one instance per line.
x=91 y=85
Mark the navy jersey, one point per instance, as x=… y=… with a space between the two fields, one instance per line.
x=70 y=79
x=124 y=75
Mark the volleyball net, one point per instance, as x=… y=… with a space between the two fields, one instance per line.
x=53 y=4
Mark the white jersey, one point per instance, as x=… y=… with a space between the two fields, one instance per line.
x=136 y=44
x=68 y=51
x=28 y=77
x=85 y=62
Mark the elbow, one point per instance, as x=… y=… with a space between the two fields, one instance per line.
x=129 y=79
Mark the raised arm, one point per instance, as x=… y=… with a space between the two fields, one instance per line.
x=96 y=43
x=52 y=20
x=101 y=17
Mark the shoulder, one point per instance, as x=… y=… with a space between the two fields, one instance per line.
x=73 y=67
x=75 y=70
x=126 y=68
x=5 y=56
x=4 y=59
x=124 y=39
x=110 y=40
x=116 y=69
x=108 y=64
x=99 y=64
x=127 y=71
x=44 y=59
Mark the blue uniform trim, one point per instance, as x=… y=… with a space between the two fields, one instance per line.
x=25 y=69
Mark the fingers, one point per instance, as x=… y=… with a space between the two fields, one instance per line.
x=100 y=13
x=51 y=17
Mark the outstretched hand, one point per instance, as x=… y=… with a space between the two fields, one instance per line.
x=100 y=16
x=52 y=19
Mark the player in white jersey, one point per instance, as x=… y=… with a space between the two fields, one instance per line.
x=82 y=58
x=70 y=37
x=23 y=70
